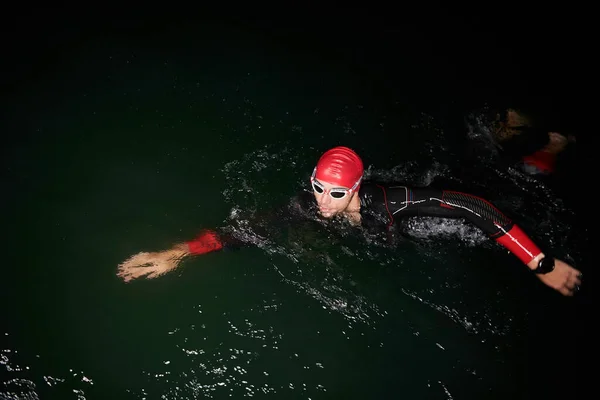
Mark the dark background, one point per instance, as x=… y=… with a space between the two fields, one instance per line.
x=510 y=54
x=518 y=52
x=500 y=54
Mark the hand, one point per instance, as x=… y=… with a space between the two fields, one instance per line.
x=556 y=143
x=150 y=265
x=564 y=278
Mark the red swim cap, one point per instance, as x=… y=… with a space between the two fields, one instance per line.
x=340 y=166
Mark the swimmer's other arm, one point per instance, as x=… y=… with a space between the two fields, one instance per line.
x=155 y=264
x=563 y=278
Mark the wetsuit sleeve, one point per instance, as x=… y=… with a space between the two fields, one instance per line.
x=493 y=222
x=211 y=240
x=452 y=204
x=205 y=242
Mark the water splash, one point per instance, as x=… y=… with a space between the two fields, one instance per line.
x=217 y=357
x=28 y=382
x=316 y=259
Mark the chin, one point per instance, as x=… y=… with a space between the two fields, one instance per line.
x=327 y=214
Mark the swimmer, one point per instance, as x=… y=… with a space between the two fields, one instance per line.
x=338 y=192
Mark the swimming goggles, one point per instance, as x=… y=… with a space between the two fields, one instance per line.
x=336 y=193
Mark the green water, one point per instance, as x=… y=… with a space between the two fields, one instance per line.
x=118 y=146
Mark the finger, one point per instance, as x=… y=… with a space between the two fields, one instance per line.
x=135 y=261
x=154 y=275
x=575 y=279
x=569 y=289
x=125 y=277
x=570 y=282
x=144 y=272
x=134 y=272
x=123 y=274
x=139 y=264
x=566 y=291
x=572 y=286
x=137 y=258
x=128 y=264
x=133 y=276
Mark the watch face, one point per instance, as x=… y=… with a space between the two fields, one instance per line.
x=546 y=265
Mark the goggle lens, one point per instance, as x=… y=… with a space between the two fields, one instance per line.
x=335 y=193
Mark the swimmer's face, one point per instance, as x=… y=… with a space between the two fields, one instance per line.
x=330 y=206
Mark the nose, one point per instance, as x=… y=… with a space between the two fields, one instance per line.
x=325 y=199
x=322 y=199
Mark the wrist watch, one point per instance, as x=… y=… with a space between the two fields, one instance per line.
x=545 y=265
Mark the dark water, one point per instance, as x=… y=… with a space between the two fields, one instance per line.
x=133 y=138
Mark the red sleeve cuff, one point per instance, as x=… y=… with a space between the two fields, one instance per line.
x=519 y=244
x=205 y=242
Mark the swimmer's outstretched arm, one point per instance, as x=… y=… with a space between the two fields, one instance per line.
x=155 y=264
x=563 y=278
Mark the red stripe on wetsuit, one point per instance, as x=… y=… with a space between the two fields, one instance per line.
x=205 y=242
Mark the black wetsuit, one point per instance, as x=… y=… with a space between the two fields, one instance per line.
x=382 y=205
